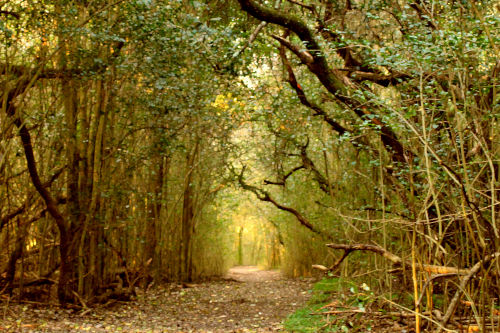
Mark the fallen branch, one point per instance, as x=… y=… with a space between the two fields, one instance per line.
x=321 y=268
x=395 y=259
x=80 y=299
x=35 y=283
x=443 y=271
x=375 y=313
x=340 y=312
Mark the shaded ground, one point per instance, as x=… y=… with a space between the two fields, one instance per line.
x=247 y=300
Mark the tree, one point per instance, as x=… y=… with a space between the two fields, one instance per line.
x=105 y=97
x=391 y=80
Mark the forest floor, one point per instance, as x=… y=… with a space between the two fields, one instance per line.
x=246 y=300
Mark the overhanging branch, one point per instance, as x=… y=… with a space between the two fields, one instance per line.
x=263 y=195
x=285 y=177
x=335 y=82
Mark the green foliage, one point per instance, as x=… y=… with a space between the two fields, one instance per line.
x=143 y=114
x=301 y=321
x=387 y=159
x=308 y=319
x=212 y=246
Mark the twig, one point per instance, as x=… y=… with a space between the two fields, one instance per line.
x=80 y=299
x=424 y=315
x=250 y=40
x=6 y=307
x=310 y=7
x=429 y=280
x=341 y=312
x=463 y=283
x=85 y=312
x=375 y=313
x=254 y=34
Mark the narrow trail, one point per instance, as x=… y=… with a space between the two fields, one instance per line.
x=246 y=300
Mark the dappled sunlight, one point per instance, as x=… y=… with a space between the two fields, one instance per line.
x=254 y=238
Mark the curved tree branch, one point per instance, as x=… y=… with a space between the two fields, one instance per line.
x=334 y=81
x=285 y=177
x=323 y=183
x=266 y=197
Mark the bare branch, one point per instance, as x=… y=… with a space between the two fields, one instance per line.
x=285 y=177
x=301 y=4
x=10 y=13
x=303 y=55
x=292 y=80
x=266 y=197
x=381 y=79
x=251 y=39
x=463 y=283
x=398 y=260
x=309 y=164
x=21 y=209
x=9 y=216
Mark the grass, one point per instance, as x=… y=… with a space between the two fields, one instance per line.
x=304 y=322
x=322 y=293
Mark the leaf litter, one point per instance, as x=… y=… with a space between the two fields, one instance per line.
x=246 y=300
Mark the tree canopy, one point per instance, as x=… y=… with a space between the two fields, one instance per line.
x=139 y=139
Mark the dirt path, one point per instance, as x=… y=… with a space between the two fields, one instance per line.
x=247 y=300
x=253 y=274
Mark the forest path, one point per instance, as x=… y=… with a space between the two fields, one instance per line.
x=253 y=274
x=246 y=300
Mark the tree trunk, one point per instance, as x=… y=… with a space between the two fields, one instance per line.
x=14 y=256
x=65 y=288
x=240 y=246
x=154 y=210
x=188 y=216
